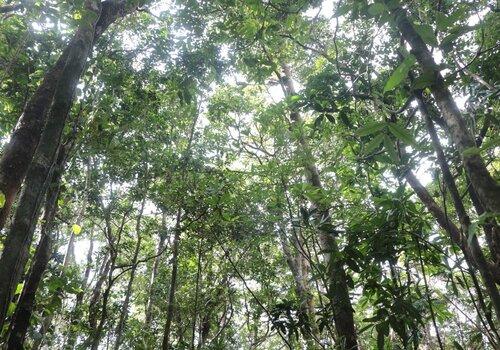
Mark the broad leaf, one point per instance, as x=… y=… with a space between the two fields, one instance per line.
x=400 y=73
x=370 y=129
x=426 y=33
x=377 y=9
x=374 y=143
x=401 y=133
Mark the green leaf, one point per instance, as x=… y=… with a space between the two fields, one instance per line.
x=401 y=133
x=76 y=229
x=342 y=10
x=457 y=345
x=426 y=33
x=447 y=43
x=374 y=143
x=377 y=9
x=11 y=309
x=317 y=122
x=2 y=199
x=19 y=288
x=330 y=118
x=426 y=79
x=443 y=22
x=370 y=128
x=389 y=148
x=400 y=73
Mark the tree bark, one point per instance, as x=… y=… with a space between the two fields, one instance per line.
x=154 y=272
x=76 y=313
x=486 y=187
x=338 y=290
x=124 y=311
x=97 y=329
x=296 y=263
x=19 y=151
x=473 y=256
x=173 y=283
x=24 y=309
x=462 y=215
x=16 y=245
x=96 y=292
x=19 y=237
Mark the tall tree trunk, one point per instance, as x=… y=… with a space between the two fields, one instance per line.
x=19 y=151
x=486 y=187
x=462 y=215
x=124 y=311
x=338 y=290
x=22 y=315
x=18 y=240
x=173 y=283
x=96 y=333
x=474 y=258
x=154 y=272
x=96 y=292
x=196 y=294
x=296 y=263
x=76 y=313
x=114 y=243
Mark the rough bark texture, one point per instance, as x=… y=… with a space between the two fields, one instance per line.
x=18 y=153
x=22 y=315
x=173 y=284
x=17 y=243
x=19 y=237
x=338 y=290
x=486 y=187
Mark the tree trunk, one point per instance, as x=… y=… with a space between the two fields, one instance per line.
x=462 y=215
x=19 y=151
x=296 y=263
x=173 y=283
x=75 y=314
x=338 y=290
x=22 y=315
x=124 y=311
x=472 y=256
x=154 y=272
x=18 y=240
x=486 y=187
x=96 y=292
x=96 y=330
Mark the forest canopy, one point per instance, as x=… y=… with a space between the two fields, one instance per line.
x=249 y=174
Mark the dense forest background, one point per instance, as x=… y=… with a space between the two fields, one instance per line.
x=245 y=174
